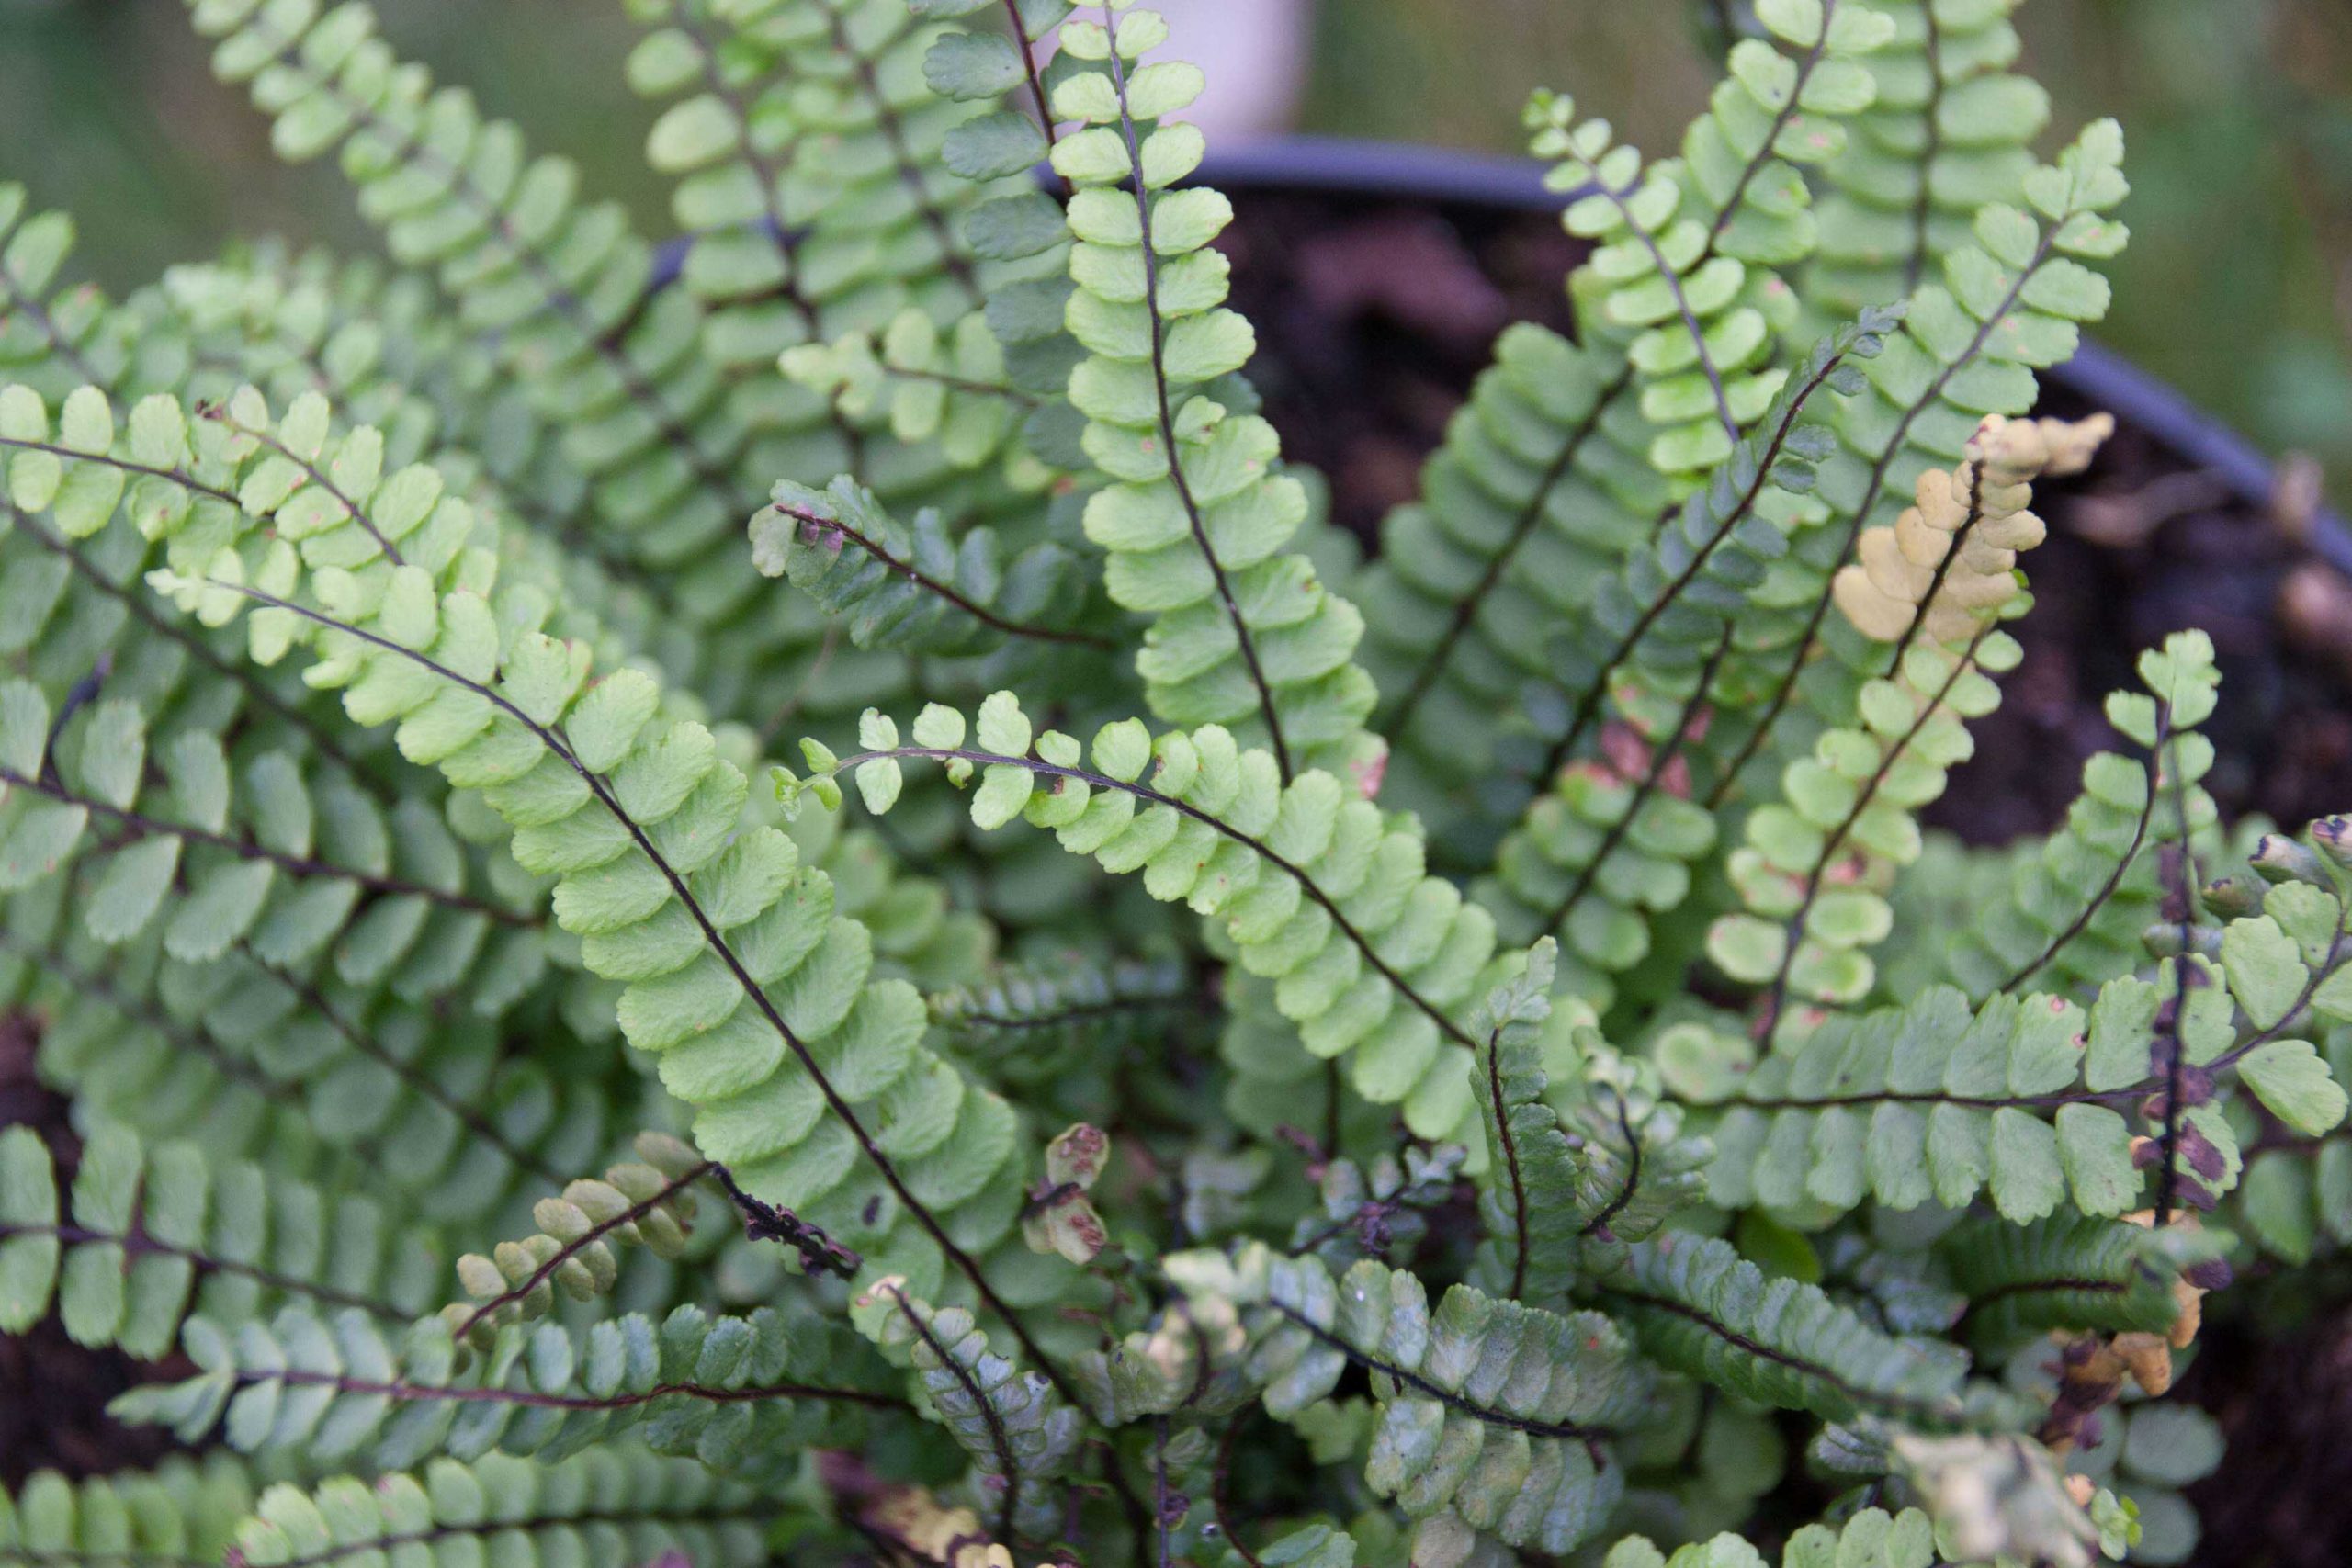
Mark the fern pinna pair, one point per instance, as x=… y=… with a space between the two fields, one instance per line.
x=1535 y=1098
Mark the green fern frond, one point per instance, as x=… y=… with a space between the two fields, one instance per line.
x=1949 y=130
x=1597 y=856
x=1196 y=508
x=1501 y=1412
x=183 y=1513
x=1020 y=1434
x=740 y=1395
x=528 y=1512
x=2067 y=910
x=1371 y=957
x=916 y=587
x=1676 y=242
x=2071 y=1273
x=154 y=1236
x=1698 y=1307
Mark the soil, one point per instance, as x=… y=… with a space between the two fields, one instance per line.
x=53 y=1392
x=1375 y=315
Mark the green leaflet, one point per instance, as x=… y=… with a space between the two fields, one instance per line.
x=1196 y=509
x=741 y=1395
x=1372 y=958
x=534 y=1511
x=1518 y=1402
x=145 y=1239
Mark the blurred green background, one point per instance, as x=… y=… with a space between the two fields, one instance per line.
x=2238 y=285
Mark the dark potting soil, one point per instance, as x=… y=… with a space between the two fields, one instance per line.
x=1375 y=315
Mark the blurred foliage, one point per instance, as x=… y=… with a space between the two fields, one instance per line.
x=2238 y=287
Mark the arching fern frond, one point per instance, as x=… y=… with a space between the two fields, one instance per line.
x=1698 y=1307
x=1020 y=1434
x=1371 y=957
x=1501 y=1412
x=739 y=1394
x=915 y=587
x=529 y=1512
x=2072 y=1273
x=154 y=1235
x=1949 y=130
x=1197 y=508
x=182 y=1514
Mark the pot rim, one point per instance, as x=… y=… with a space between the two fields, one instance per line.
x=1440 y=176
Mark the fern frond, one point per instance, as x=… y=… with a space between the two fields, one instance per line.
x=1196 y=508
x=51 y=335
x=731 y=952
x=647 y=1201
x=1949 y=130
x=739 y=1394
x=2010 y=303
x=182 y=1514
x=1596 y=857
x=528 y=1512
x=1597 y=1160
x=1948 y=568
x=915 y=587
x=1372 y=958
x=1021 y=1436
x=1700 y=1308
x=1525 y=1400
x=2070 y=1272
x=2022 y=1096
x=154 y=1236
x=1677 y=241
x=2066 y=912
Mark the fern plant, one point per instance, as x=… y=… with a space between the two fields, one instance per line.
x=592 y=842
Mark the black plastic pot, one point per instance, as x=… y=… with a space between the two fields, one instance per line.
x=1439 y=177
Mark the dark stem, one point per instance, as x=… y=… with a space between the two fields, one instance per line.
x=935 y=588
x=1167 y=416
x=311 y=470
x=1511 y=1163
x=2123 y=863
x=572 y=1249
